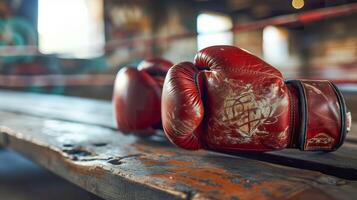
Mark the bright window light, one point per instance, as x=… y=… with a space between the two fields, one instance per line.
x=275 y=45
x=214 y=29
x=72 y=28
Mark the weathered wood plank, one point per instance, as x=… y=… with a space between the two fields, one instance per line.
x=114 y=166
x=342 y=163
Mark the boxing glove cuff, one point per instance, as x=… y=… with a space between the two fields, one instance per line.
x=320 y=120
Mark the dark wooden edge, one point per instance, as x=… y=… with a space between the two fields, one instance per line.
x=3 y=139
x=301 y=163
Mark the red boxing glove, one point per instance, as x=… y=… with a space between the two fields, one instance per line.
x=137 y=96
x=230 y=100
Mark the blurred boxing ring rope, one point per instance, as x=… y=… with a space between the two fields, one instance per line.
x=107 y=79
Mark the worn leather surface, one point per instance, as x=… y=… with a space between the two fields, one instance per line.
x=230 y=100
x=137 y=96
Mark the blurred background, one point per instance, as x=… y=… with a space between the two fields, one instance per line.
x=75 y=47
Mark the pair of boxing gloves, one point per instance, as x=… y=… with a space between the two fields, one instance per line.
x=229 y=100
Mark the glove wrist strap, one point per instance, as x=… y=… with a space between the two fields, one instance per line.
x=319 y=119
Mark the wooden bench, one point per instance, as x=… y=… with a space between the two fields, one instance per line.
x=76 y=139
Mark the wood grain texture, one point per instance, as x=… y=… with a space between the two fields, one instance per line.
x=115 y=166
x=342 y=163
